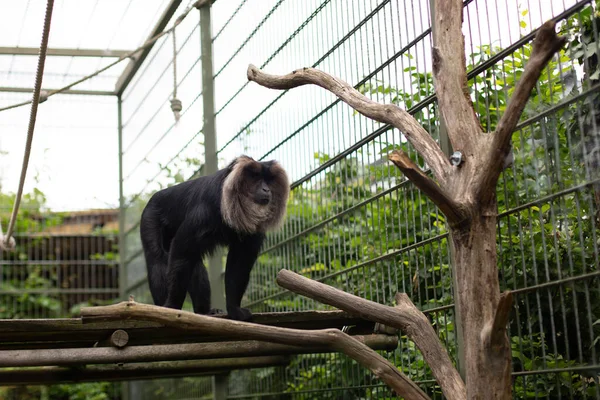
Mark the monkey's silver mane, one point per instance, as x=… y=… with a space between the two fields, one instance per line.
x=244 y=215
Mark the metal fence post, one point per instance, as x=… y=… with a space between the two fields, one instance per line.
x=122 y=256
x=446 y=147
x=122 y=250
x=215 y=263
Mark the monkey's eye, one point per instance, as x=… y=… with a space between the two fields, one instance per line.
x=252 y=174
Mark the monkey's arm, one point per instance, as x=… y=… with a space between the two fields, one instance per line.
x=240 y=261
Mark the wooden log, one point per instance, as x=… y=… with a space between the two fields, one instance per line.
x=51 y=375
x=332 y=338
x=72 y=330
x=119 y=338
x=195 y=351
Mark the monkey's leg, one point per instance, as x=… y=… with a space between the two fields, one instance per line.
x=240 y=261
x=187 y=249
x=156 y=265
x=156 y=257
x=199 y=290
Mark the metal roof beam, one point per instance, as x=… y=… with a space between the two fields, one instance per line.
x=70 y=91
x=34 y=51
x=135 y=64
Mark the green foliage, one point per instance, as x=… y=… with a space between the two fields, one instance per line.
x=86 y=391
x=526 y=352
x=81 y=391
x=24 y=278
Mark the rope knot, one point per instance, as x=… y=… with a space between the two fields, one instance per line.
x=176 y=107
x=7 y=245
x=43 y=96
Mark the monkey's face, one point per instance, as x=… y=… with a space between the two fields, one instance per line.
x=255 y=195
x=262 y=193
x=259 y=178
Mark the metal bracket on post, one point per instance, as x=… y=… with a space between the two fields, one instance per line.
x=215 y=262
x=446 y=147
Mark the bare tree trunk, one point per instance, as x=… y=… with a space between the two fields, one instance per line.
x=486 y=350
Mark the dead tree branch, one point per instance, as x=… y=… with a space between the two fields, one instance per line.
x=386 y=113
x=449 y=71
x=405 y=316
x=332 y=338
x=170 y=352
x=440 y=198
x=545 y=45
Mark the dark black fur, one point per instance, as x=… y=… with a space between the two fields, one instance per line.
x=183 y=223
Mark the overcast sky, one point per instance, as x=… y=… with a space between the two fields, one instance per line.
x=74 y=153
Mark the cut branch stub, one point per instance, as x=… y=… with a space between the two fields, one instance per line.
x=494 y=335
x=386 y=113
x=440 y=198
x=331 y=338
x=545 y=45
x=405 y=316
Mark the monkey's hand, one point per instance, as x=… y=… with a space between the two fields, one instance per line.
x=239 y=314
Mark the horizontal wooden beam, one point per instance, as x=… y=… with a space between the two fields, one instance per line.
x=43 y=376
x=71 y=332
x=34 y=51
x=171 y=352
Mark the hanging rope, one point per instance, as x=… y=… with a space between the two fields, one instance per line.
x=176 y=106
x=8 y=242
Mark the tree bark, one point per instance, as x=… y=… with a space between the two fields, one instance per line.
x=450 y=73
x=487 y=368
x=452 y=210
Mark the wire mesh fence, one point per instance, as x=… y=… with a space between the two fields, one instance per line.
x=62 y=261
x=354 y=222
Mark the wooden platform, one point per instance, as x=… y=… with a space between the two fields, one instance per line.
x=70 y=351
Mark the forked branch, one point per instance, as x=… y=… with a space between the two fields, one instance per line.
x=330 y=338
x=386 y=113
x=545 y=45
x=438 y=196
x=405 y=316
